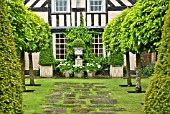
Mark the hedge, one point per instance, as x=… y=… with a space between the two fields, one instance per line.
x=157 y=98
x=10 y=79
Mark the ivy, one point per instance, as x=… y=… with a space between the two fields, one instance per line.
x=79 y=33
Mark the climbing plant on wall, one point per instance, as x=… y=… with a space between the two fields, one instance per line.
x=82 y=33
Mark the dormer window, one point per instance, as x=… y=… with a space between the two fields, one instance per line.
x=96 y=6
x=60 y=6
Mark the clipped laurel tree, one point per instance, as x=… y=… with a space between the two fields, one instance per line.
x=10 y=79
x=46 y=57
x=157 y=99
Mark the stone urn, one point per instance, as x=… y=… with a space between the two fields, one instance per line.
x=78 y=51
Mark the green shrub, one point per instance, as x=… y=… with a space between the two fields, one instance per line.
x=116 y=59
x=103 y=62
x=148 y=70
x=157 y=100
x=79 y=43
x=10 y=79
x=46 y=57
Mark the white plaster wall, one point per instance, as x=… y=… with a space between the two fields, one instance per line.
x=132 y=61
x=43 y=15
x=35 y=58
x=112 y=14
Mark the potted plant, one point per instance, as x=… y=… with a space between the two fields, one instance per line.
x=91 y=69
x=65 y=68
x=78 y=71
x=116 y=61
x=46 y=61
x=78 y=45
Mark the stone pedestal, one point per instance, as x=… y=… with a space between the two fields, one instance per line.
x=116 y=72
x=78 y=61
x=46 y=71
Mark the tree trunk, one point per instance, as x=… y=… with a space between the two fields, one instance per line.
x=22 y=60
x=150 y=58
x=31 y=72
x=138 y=73
x=129 y=83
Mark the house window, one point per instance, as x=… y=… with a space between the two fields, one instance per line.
x=98 y=45
x=60 y=6
x=96 y=5
x=60 y=45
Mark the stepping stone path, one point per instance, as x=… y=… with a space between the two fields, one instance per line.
x=80 y=98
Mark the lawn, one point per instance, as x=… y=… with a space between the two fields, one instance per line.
x=34 y=102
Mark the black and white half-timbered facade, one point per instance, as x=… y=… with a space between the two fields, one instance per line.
x=63 y=14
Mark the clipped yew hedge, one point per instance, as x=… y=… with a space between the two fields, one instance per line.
x=10 y=79
x=157 y=100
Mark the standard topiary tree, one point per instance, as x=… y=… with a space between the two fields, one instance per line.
x=112 y=40
x=30 y=31
x=10 y=80
x=142 y=29
x=157 y=98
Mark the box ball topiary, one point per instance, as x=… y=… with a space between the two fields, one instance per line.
x=157 y=99
x=78 y=43
x=116 y=59
x=46 y=57
x=10 y=78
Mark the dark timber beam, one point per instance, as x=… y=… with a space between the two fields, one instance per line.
x=117 y=8
x=41 y=9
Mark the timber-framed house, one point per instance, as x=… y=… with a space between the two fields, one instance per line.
x=63 y=14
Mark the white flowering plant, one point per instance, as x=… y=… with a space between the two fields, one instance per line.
x=91 y=67
x=65 y=67
x=78 y=68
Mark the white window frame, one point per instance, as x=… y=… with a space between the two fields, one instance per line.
x=103 y=6
x=98 y=43
x=59 y=49
x=53 y=7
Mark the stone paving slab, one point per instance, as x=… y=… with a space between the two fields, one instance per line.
x=74 y=102
x=92 y=97
x=80 y=98
x=81 y=110
x=104 y=102
x=55 y=111
x=104 y=112
x=100 y=86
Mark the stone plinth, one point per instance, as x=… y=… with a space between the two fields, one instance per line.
x=78 y=62
x=46 y=71
x=116 y=72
